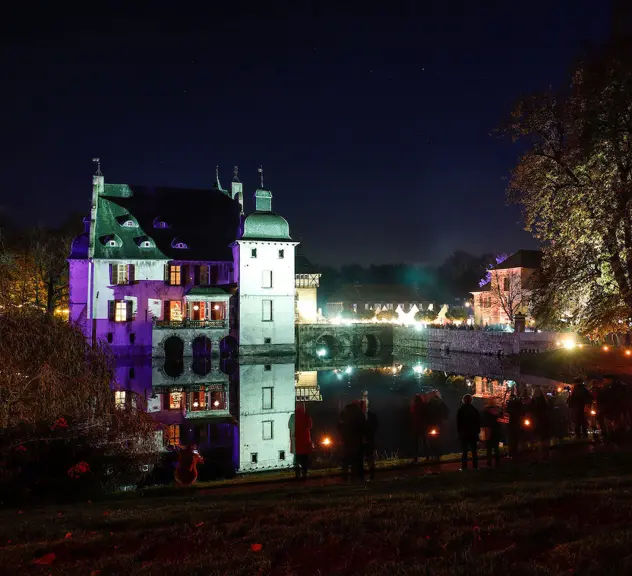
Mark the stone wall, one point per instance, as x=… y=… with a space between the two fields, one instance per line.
x=473 y=341
x=345 y=336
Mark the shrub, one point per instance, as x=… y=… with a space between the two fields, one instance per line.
x=60 y=432
x=426 y=316
x=387 y=315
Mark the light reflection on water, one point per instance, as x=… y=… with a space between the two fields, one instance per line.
x=251 y=431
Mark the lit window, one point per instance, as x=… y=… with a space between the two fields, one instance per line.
x=175 y=275
x=175 y=311
x=120 y=274
x=198 y=401
x=253 y=253
x=129 y=224
x=266 y=400
x=145 y=244
x=120 y=311
x=112 y=243
x=217 y=400
x=175 y=401
x=119 y=398
x=281 y=253
x=267 y=432
x=266 y=312
x=172 y=435
x=266 y=280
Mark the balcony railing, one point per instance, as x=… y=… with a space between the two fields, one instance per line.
x=200 y=324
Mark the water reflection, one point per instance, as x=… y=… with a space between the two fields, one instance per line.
x=238 y=411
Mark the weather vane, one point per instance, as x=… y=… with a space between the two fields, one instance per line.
x=97 y=161
x=217 y=174
x=261 y=172
x=235 y=173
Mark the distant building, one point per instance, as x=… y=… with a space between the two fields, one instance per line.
x=307 y=283
x=509 y=289
x=366 y=298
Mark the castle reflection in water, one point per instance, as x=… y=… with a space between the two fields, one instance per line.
x=238 y=412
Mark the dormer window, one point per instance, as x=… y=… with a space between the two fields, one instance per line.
x=160 y=223
x=127 y=221
x=144 y=242
x=179 y=244
x=111 y=241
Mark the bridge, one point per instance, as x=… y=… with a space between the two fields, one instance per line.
x=344 y=340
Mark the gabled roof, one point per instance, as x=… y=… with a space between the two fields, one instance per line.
x=531 y=259
x=205 y=221
x=386 y=293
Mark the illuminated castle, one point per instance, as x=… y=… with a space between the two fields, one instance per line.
x=162 y=271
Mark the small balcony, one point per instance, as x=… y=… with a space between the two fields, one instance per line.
x=184 y=323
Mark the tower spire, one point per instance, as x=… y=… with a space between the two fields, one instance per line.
x=235 y=173
x=261 y=172
x=97 y=161
x=219 y=186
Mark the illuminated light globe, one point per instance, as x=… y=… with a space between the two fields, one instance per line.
x=593 y=412
x=326 y=441
x=418 y=369
x=434 y=432
x=627 y=352
x=321 y=352
x=216 y=403
x=605 y=348
x=348 y=370
x=568 y=344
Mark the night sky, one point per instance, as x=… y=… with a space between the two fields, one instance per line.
x=373 y=126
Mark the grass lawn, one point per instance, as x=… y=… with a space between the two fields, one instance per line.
x=568 y=364
x=571 y=516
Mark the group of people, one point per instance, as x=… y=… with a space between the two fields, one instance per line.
x=357 y=428
x=605 y=405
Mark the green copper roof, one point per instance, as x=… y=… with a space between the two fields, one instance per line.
x=109 y=227
x=266 y=226
x=164 y=223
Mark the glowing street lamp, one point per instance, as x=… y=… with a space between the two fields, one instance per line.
x=326 y=441
x=348 y=370
x=418 y=369
x=527 y=423
x=605 y=348
x=434 y=432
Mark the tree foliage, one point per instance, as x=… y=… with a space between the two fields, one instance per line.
x=574 y=185
x=387 y=315
x=456 y=314
x=426 y=315
x=55 y=392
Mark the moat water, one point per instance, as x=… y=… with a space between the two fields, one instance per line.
x=250 y=432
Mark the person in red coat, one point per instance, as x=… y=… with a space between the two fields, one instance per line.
x=188 y=460
x=301 y=441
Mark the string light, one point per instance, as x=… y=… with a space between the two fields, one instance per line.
x=326 y=441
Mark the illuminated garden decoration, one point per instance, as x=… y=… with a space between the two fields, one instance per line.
x=574 y=186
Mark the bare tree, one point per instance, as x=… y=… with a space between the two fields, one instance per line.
x=506 y=287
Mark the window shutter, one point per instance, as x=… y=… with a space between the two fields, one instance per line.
x=167 y=310
x=167 y=274
x=184 y=276
x=111 y=305
x=131 y=273
x=130 y=310
x=112 y=274
x=196 y=275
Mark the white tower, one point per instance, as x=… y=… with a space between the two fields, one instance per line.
x=264 y=265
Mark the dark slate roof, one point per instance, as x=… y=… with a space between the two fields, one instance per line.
x=302 y=265
x=206 y=221
x=385 y=293
x=79 y=248
x=522 y=259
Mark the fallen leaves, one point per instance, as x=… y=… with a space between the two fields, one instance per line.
x=45 y=560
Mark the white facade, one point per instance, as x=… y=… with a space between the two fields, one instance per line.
x=265 y=273
x=266 y=404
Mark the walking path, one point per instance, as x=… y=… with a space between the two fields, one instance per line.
x=560 y=452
